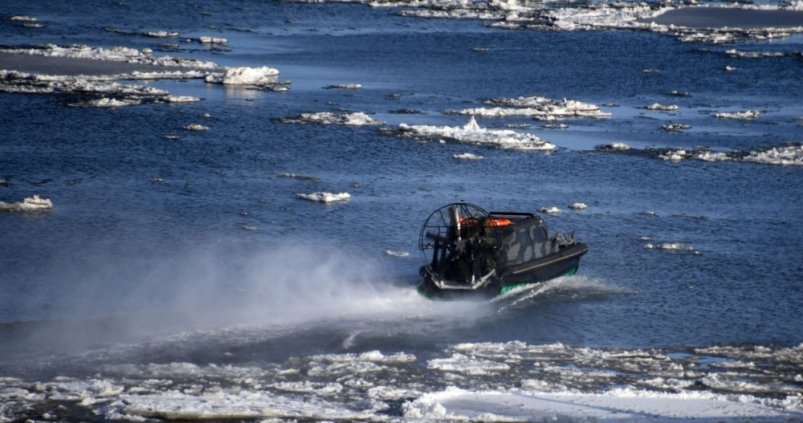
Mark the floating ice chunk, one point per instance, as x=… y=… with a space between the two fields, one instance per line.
x=658 y=107
x=245 y=76
x=540 y=108
x=555 y=126
x=212 y=40
x=460 y=363
x=353 y=87
x=674 y=155
x=196 y=127
x=552 y=211
x=467 y=156
x=400 y=254
x=617 y=146
x=114 y=54
x=675 y=127
x=161 y=34
x=329 y=118
x=181 y=99
x=29 y=204
x=325 y=197
x=110 y=102
x=22 y=18
x=677 y=247
x=711 y=156
x=753 y=54
x=784 y=156
x=729 y=68
x=472 y=133
x=746 y=115
x=578 y=206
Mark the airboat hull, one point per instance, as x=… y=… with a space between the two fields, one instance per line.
x=563 y=263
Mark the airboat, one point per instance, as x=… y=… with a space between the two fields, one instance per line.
x=473 y=253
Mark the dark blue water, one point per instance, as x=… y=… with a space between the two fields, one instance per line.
x=127 y=248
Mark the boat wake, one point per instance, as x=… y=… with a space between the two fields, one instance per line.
x=566 y=288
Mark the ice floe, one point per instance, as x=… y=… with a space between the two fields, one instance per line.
x=622 y=404
x=540 y=108
x=578 y=206
x=330 y=118
x=675 y=127
x=245 y=76
x=212 y=40
x=32 y=204
x=352 y=87
x=787 y=155
x=658 y=107
x=325 y=197
x=467 y=156
x=472 y=133
x=162 y=34
x=114 y=54
x=106 y=102
x=552 y=211
x=745 y=115
x=196 y=127
x=753 y=54
x=181 y=99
